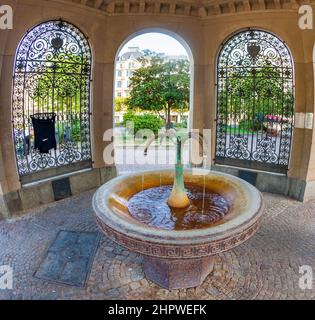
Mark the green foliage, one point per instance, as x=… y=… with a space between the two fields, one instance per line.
x=75 y=130
x=181 y=125
x=120 y=104
x=143 y=121
x=254 y=124
x=128 y=116
x=255 y=93
x=182 y=108
x=64 y=77
x=160 y=85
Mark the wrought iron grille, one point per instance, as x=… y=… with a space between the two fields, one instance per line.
x=255 y=102
x=52 y=75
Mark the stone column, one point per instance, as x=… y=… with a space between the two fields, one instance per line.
x=6 y=136
x=4 y=212
x=197 y=112
x=102 y=117
x=302 y=164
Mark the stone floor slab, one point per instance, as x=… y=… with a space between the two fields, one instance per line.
x=69 y=258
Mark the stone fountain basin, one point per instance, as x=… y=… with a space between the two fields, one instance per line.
x=172 y=258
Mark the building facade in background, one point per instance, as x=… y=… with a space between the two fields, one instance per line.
x=126 y=64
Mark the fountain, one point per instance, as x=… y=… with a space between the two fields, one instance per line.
x=178 y=220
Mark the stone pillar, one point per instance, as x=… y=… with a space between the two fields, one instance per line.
x=210 y=110
x=102 y=116
x=4 y=212
x=197 y=113
x=6 y=136
x=9 y=179
x=303 y=153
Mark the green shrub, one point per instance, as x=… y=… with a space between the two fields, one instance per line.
x=181 y=125
x=143 y=121
x=76 y=130
x=128 y=116
x=244 y=124
x=255 y=124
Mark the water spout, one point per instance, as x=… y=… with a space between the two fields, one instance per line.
x=178 y=197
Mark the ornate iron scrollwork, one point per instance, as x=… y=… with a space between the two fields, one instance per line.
x=52 y=74
x=255 y=102
x=238 y=148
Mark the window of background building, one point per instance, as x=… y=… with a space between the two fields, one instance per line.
x=174 y=118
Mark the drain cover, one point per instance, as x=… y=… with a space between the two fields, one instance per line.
x=69 y=258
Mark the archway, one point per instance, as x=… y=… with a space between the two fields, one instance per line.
x=51 y=101
x=255 y=102
x=148 y=49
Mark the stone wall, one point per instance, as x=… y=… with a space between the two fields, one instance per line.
x=35 y=194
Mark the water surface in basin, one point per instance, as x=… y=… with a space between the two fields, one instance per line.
x=150 y=207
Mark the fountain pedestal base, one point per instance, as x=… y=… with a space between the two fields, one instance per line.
x=177 y=273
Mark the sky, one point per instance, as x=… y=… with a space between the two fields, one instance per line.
x=157 y=42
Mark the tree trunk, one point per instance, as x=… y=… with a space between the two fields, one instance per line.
x=165 y=115
x=168 y=118
x=160 y=116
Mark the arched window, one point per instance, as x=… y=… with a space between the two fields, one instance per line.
x=51 y=99
x=255 y=102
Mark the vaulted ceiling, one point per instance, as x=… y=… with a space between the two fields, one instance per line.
x=194 y=8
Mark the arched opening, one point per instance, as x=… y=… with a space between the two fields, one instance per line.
x=255 y=102
x=153 y=85
x=51 y=101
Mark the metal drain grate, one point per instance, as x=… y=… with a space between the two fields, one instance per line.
x=69 y=258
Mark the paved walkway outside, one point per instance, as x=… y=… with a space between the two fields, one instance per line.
x=129 y=159
x=265 y=267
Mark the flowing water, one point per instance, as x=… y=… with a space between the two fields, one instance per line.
x=150 y=207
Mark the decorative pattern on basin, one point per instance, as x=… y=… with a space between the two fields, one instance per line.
x=176 y=252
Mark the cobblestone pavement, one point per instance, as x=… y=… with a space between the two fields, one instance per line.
x=265 y=267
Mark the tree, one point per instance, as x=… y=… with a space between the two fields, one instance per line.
x=159 y=85
x=248 y=95
x=60 y=85
x=120 y=104
x=62 y=77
